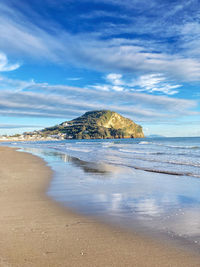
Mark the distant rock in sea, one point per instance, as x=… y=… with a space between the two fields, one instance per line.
x=100 y=124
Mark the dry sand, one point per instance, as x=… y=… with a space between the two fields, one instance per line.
x=36 y=231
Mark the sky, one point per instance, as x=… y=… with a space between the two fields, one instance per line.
x=59 y=59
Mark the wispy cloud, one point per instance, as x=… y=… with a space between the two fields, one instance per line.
x=74 y=79
x=61 y=101
x=5 y=65
x=133 y=54
x=145 y=83
x=155 y=83
x=16 y=126
x=14 y=85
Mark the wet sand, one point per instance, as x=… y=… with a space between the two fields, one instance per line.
x=36 y=231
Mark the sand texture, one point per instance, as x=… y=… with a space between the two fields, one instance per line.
x=36 y=231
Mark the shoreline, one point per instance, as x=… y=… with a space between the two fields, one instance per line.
x=37 y=231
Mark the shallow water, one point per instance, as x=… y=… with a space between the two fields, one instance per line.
x=152 y=184
x=162 y=155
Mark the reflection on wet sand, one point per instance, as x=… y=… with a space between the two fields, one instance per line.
x=88 y=167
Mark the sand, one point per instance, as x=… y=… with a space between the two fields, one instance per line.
x=36 y=231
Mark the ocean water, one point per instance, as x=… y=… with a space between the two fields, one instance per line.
x=152 y=184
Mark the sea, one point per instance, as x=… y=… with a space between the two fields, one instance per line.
x=150 y=185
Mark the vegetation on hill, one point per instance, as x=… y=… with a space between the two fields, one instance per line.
x=103 y=124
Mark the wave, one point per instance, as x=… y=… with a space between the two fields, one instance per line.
x=147 y=169
x=175 y=173
x=183 y=163
x=86 y=142
x=184 y=147
x=167 y=153
x=175 y=146
x=170 y=162
x=169 y=172
x=78 y=149
x=144 y=143
x=169 y=146
x=141 y=152
x=152 y=156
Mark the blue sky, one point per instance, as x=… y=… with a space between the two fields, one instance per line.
x=59 y=59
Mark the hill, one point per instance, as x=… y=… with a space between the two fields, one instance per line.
x=102 y=124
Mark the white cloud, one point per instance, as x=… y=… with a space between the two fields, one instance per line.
x=114 y=78
x=5 y=65
x=145 y=83
x=61 y=101
x=155 y=83
x=20 y=36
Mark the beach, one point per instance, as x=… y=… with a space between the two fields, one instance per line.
x=37 y=231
